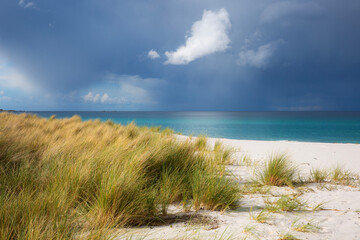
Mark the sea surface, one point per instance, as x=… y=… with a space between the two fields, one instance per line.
x=338 y=127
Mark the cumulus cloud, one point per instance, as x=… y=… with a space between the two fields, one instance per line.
x=288 y=8
x=124 y=89
x=105 y=98
x=152 y=54
x=207 y=36
x=90 y=97
x=24 y=4
x=258 y=58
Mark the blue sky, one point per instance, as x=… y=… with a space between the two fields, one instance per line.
x=207 y=55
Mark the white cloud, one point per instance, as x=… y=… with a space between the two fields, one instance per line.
x=207 y=36
x=152 y=54
x=2 y=92
x=258 y=58
x=124 y=89
x=25 y=4
x=105 y=98
x=289 y=8
x=90 y=97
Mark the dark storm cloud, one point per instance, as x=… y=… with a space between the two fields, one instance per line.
x=296 y=54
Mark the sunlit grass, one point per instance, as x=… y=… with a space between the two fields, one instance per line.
x=307 y=226
x=285 y=203
x=278 y=171
x=61 y=178
x=201 y=142
x=318 y=175
x=261 y=216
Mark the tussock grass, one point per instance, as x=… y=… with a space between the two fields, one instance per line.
x=222 y=154
x=278 y=171
x=339 y=175
x=318 y=175
x=201 y=142
x=65 y=178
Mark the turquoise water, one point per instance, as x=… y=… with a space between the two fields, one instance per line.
x=293 y=126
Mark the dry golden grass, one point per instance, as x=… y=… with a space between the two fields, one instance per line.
x=62 y=178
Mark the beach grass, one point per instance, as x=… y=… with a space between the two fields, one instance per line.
x=261 y=216
x=278 y=171
x=318 y=175
x=307 y=226
x=65 y=178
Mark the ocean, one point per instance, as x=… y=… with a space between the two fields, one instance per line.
x=340 y=127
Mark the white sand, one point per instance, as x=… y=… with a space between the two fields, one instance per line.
x=340 y=220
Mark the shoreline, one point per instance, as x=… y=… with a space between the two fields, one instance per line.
x=252 y=140
x=306 y=154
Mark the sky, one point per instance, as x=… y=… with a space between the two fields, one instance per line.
x=188 y=55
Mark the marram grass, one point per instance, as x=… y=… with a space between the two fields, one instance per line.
x=65 y=178
x=278 y=171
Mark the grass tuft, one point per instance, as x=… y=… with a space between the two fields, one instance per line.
x=201 y=142
x=285 y=203
x=299 y=226
x=287 y=236
x=260 y=217
x=278 y=171
x=318 y=175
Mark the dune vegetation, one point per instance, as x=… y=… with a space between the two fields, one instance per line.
x=278 y=171
x=68 y=178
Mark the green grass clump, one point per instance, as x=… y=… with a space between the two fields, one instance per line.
x=289 y=204
x=278 y=171
x=218 y=147
x=201 y=142
x=318 y=175
x=65 y=178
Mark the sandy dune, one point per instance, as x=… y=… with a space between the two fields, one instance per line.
x=339 y=219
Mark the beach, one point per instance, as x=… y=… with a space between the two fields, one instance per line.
x=337 y=218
